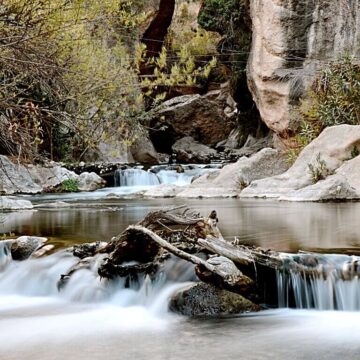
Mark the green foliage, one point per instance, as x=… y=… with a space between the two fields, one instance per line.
x=69 y=185
x=333 y=99
x=219 y=15
x=336 y=94
x=319 y=170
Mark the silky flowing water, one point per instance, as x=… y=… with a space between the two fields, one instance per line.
x=93 y=319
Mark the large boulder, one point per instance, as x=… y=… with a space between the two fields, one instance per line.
x=188 y=150
x=16 y=178
x=90 y=182
x=24 y=246
x=232 y=178
x=33 y=179
x=10 y=203
x=291 y=40
x=206 y=300
x=50 y=177
x=197 y=116
x=143 y=151
x=344 y=184
x=311 y=174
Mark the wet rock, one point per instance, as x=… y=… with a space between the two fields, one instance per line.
x=188 y=150
x=90 y=182
x=10 y=203
x=24 y=246
x=206 y=300
x=89 y=249
x=330 y=153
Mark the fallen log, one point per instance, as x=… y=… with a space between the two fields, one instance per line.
x=224 y=268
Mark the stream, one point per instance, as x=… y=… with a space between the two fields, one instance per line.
x=93 y=319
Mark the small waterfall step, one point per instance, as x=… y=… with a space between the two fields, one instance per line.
x=332 y=284
x=161 y=174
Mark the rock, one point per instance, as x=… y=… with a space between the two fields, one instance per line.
x=49 y=178
x=143 y=151
x=190 y=115
x=188 y=150
x=16 y=178
x=343 y=185
x=10 y=203
x=232 y=178
x=114 y=151
x=90 y=182
x=24 y=246
x=162 y=191
x=330 y=150
x=252 y=146
x=291 y=41
x=88 y=250
x=206 y=300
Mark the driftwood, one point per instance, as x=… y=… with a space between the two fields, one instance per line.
x=144 y=249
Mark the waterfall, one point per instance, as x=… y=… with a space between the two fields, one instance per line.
x=135 y=177
x=39 y=278
x=162 y=174
x=333 y=284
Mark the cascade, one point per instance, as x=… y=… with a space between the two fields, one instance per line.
x=162 y=174
x=135 y=177
x=39 y=278
x=333 y=284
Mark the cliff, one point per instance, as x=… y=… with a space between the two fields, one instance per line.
x=291 y=41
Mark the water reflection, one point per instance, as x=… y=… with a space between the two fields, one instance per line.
x=278 y=225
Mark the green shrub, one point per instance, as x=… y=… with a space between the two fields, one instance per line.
x=70 y=185
x=319 y=170
x=336 y=94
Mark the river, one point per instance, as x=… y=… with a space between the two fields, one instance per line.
x=92 y=321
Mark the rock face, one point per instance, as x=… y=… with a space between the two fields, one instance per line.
x=197 y=116
x=207 y=300
x=331 y=156
x=188 y=150
x=232 y=178
x=291 y=41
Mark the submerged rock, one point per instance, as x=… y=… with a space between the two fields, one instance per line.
x=206 y=300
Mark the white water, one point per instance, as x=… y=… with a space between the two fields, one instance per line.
x=335 y=285
x=157 y=175
x=33 y=311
